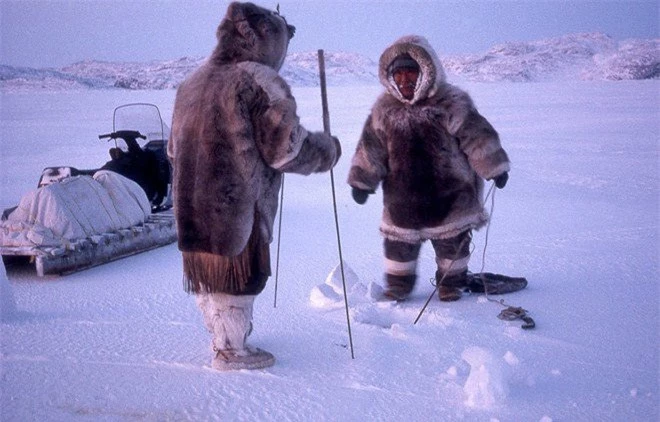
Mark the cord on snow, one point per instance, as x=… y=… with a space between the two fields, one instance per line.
x=510 y=313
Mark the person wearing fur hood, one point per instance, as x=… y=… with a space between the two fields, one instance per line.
x=234 y=132
x=431 y=150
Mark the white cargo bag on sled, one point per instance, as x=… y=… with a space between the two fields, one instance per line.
x=75 y=208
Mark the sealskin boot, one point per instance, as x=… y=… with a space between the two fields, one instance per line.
x=449 y=294
x=399 y=286
x=245 y=358
x=451 y=287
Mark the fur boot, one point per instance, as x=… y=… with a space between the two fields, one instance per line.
x=399 y=286
x=451 y=287
x=229 y=319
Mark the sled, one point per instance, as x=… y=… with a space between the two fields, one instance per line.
x=157 y=231
x=138 y=165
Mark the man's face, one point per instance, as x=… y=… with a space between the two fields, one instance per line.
x=406 y=80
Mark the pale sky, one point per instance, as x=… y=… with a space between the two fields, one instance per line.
x=55 y=33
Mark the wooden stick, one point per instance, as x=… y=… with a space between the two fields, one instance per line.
x=279 y=237
x=326 y=129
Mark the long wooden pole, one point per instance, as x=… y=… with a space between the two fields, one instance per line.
x=279 y=237
x=326 y=129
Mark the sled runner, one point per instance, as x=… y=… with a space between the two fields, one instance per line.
x=77 y=219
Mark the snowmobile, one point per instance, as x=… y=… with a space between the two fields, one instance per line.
x=141 y=157
x=80 y=218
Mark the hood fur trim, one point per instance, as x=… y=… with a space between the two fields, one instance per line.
x=432 y=74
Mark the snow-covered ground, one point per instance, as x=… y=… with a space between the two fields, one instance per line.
x=579 y=218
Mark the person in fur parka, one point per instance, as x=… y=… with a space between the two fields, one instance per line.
x=430 y=148
x=234 y=132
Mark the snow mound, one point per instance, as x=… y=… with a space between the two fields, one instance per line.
x=486 y=386
x=330 y=294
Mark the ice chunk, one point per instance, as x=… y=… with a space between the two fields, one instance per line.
x=375 y=291
x=324 y=296
x=485 y=385
x=334 y=279
x=511 y=359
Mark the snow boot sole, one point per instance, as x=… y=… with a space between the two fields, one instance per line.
x=449 y=293
x=230 y=360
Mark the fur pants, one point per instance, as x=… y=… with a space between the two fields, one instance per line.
x=451 y=256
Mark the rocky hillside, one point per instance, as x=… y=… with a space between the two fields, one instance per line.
x=588 y=56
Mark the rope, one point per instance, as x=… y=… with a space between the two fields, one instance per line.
x=510 y=313
x=491 y=194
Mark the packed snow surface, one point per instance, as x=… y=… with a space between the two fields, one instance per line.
x=579 y=218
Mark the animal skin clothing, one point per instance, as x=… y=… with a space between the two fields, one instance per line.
x=451 y=257
x=234 y=132
x=431 y=151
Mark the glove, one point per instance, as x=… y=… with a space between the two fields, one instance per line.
x=500 y=181
x=360 y=196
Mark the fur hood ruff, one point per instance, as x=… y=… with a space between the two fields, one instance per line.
x=432 y=74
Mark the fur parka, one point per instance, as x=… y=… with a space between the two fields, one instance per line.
x=431 y=153
x=234 y=132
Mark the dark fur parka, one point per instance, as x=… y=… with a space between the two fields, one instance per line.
x=430 y=153
x=234 y=132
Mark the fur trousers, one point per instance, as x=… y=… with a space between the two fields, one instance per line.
x=451 y=256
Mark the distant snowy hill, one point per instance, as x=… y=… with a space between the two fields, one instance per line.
x=300 y=69
x=587 y=56
x=27 y=78
x=150 y=75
